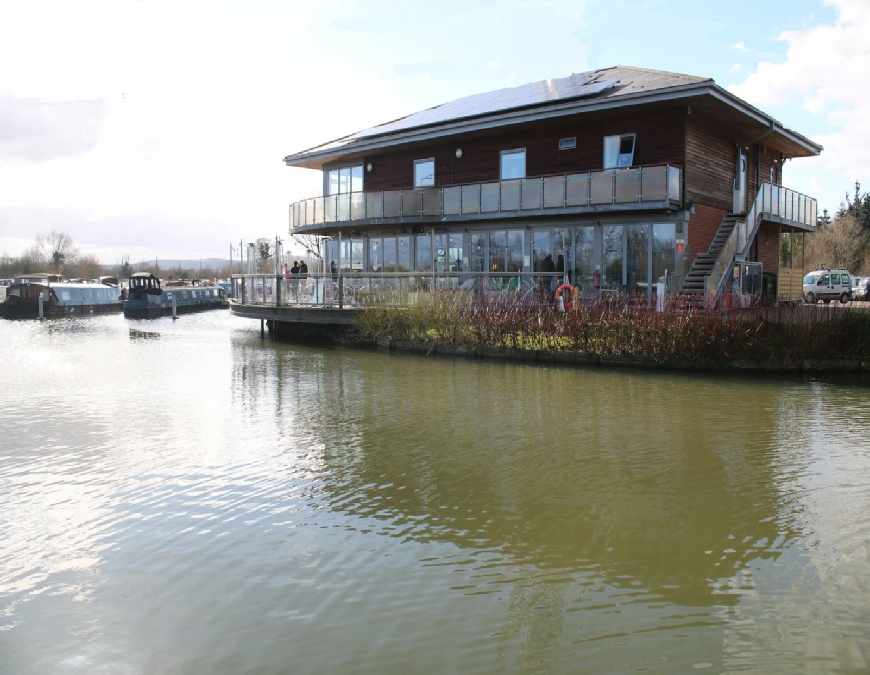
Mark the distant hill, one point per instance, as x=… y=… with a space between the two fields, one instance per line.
x=169 y=263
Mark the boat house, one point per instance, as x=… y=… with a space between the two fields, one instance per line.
x=623 y=177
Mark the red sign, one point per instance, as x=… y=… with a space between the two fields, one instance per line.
x=681 y=246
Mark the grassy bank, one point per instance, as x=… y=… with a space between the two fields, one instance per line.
x=781 y=335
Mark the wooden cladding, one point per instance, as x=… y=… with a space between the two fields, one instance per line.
x=660 y=140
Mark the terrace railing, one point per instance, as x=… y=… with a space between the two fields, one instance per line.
x=355 y=290
x=773 y=203
x=592 y=190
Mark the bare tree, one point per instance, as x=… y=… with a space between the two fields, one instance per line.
x=310 y=242
x=264 y=253
x=57 y=247
x=843 y=243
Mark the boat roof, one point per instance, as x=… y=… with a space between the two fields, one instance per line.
x=143 y=275
x=39 y=276
x=595 y=90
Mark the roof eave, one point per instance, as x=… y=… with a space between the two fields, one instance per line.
x=315 y=159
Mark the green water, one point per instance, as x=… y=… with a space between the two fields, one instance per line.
x=182 y=497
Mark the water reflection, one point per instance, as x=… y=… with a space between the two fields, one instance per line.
x=571 y=490
x=206 y=499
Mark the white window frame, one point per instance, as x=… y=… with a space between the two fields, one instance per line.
x=618 y=160
x=424 y=182
x=327 y=183
x=504 y=153
x=569 y=143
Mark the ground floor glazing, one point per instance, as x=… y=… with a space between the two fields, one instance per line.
x=628 y=257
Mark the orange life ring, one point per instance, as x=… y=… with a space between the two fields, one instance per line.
x=569 y=296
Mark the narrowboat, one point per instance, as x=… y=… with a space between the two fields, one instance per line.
x=147 y=299
x=59 y=297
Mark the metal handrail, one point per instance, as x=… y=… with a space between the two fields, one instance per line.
x=771 y=201
x=656 y=183
x=347 y=290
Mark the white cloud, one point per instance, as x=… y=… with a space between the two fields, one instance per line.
x=825 y=72
x=493 y=65
x=740 y=47
x=36 y=130
x=735 y=68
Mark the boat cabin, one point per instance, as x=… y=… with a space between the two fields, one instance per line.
x=144 y=281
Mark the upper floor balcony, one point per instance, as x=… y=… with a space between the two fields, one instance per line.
x=639 y=188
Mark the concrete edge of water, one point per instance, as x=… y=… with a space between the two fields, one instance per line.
x=624 y=360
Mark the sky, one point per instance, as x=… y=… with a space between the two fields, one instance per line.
x=158 y=128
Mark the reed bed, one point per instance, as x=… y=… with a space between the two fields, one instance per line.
x=766 y=334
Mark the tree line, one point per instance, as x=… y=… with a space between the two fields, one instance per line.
x=57 y=253
x=844 y=240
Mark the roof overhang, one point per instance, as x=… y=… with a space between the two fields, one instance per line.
x=708 y=94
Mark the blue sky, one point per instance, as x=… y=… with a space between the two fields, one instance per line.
x=157 y=128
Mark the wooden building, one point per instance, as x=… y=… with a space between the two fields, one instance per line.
x=628 y=174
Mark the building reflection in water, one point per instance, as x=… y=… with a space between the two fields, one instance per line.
x=609 y=491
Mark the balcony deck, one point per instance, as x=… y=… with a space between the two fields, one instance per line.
x=639 y=188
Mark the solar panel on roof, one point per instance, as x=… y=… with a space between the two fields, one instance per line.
x=535 y=93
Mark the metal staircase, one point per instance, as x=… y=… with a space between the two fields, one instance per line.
x=703 y=263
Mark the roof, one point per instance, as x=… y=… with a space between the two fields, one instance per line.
x=602 y=89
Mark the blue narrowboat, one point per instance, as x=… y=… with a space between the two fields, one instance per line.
x=147 y=299
x=59 y=297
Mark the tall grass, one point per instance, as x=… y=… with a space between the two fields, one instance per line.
x=758 y=334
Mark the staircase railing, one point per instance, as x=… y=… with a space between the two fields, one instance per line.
x=772 y=201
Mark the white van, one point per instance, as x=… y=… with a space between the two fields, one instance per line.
x=827 y=285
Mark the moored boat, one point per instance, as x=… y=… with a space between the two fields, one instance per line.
x=59 y=297
x=147 y=299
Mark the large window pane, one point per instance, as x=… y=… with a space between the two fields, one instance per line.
x=637 y=261
x=541 y=247
x=333 y=182
x=562 y=250
x=664 y=250
x=513 y=164
x=344 y=180
x=356 y=178
x=478 y=252
x=612 y=256
x=424 y=253
x=454 y=252
x=515 y=251
x=404 y=254
x=332 y=252
x=584 y=257
x=390 y=254
x=376 y=261
x=497 y=251
x=440 y=252
x=357 y=252
x=344 y=263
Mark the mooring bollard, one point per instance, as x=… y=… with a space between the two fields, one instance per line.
x=174 y=309
x=41 y=308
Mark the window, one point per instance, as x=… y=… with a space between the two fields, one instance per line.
x=343 y=180
x=618 y=151
x=424 y=173
x=513 y=164
x=568 y=143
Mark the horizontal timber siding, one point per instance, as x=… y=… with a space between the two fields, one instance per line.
x=659 y=140
x=710 y=163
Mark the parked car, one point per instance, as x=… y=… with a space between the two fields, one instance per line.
x=828 y=285
x=859 y=288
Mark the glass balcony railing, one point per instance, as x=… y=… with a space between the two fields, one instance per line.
x=773 y=202
x=641 y=186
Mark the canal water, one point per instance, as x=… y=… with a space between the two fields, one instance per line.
x=184 y=497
